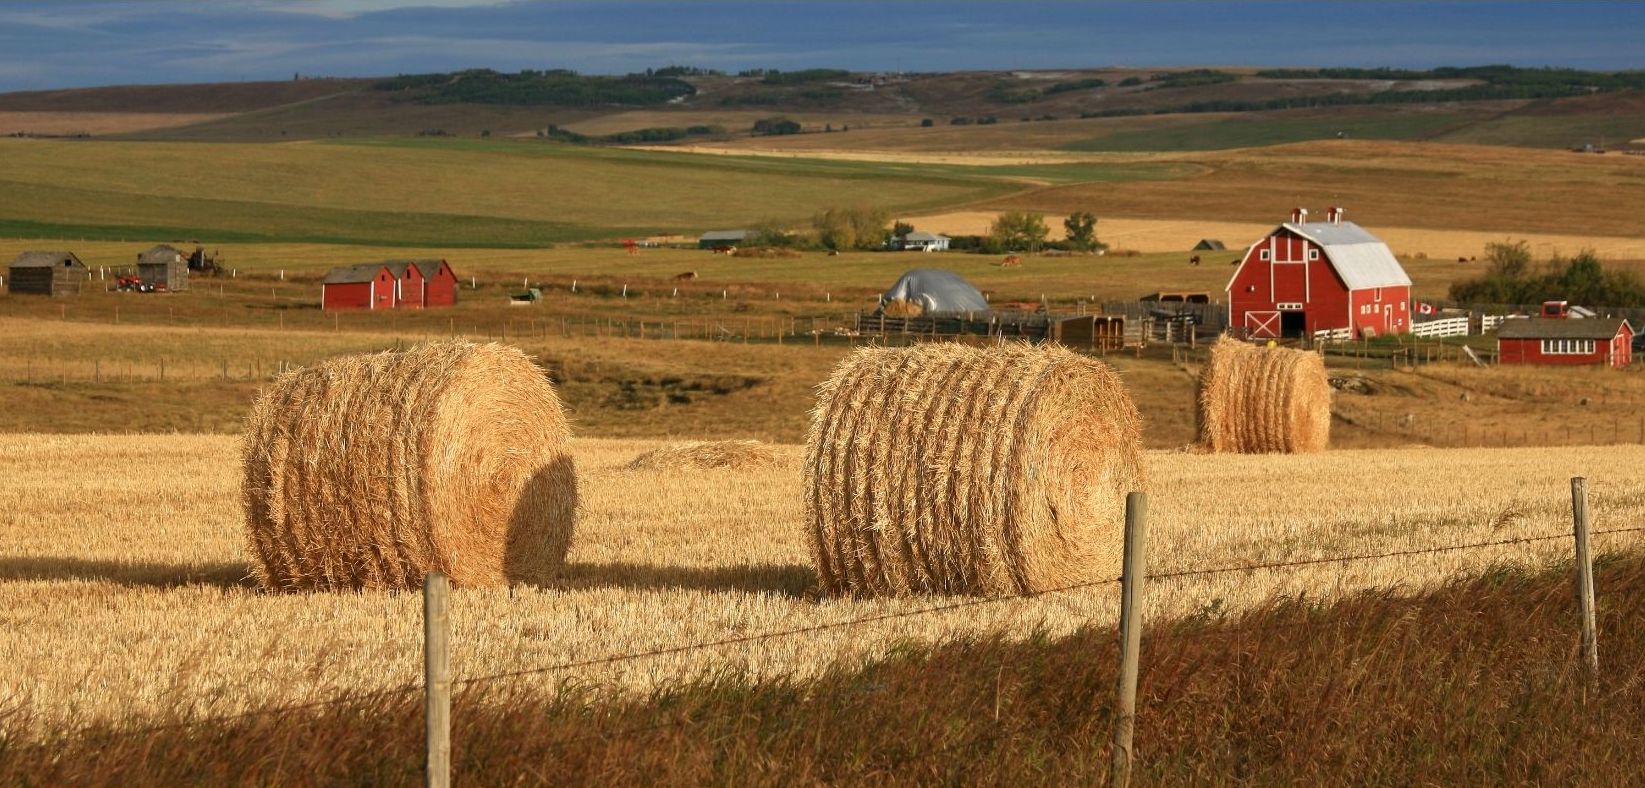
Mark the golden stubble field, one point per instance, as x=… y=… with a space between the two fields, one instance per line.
x=122 y=591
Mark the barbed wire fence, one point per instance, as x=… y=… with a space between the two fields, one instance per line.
x=1134 y=586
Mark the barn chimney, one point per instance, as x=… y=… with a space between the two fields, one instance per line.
x=1334 y=215
x=1299 y=215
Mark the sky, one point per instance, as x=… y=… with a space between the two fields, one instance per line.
x=77 y=43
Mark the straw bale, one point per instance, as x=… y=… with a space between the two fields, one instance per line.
x=1256 y=400
x=368 y=471
x=902 y=307
x=949 y=469
x=697 y=455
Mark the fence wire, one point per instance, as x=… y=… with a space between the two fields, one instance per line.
x=355 y=698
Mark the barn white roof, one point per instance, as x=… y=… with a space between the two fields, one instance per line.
x=1360 y=258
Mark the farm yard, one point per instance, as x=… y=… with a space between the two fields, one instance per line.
x=1359 y=547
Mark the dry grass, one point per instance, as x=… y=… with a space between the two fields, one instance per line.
x=949 y=469
x=369 y=471
x=701 y=455
x=58 y=123
x=123 y=588
x=1254 y=400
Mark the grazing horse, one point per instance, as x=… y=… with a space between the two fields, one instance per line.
x=685 y=277
x=1011 y=261
x=724 y=249
x=1193 y=260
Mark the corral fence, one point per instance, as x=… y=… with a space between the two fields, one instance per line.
x=1135 y=584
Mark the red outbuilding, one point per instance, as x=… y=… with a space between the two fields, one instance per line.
x=391 y=284
x=1558 y=338
x=1305 y=278
x=442 y=283
x=370 y=286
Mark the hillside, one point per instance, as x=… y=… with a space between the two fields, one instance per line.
x=1103 y=109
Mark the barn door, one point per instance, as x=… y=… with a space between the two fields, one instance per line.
x=1262 y=325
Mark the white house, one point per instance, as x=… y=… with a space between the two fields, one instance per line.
x=920 y=241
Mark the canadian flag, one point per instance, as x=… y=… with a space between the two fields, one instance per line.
x=1425 y=309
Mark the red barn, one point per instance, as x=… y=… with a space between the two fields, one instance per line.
x=410 y=288
x=1560 y=339
x=1322 y=276
x=371 y=286
x=442 y=283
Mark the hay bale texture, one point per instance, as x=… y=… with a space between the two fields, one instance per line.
x=1256 y=400
x=368 y=471
x=958 y=470
x=703 y=455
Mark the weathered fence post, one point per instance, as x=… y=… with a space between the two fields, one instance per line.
x=1585 y=578
x=436 y=680
x=1131 y=580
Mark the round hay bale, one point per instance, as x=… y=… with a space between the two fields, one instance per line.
x=949 y=469
x=1258 y=400
x=369 y=471
x=700 y=455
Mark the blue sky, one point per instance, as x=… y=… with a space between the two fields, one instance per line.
x=72 y=43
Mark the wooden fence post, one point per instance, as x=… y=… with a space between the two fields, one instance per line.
x=1585 y=579
x=1131 y=582
x=436 y=681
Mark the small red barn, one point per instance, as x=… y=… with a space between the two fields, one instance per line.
x=370 y=286
x=442 y=283
x=410 y=288
x=1322 y=276
x=1559 y=339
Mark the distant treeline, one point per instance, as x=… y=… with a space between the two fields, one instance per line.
x=656 y=134
x=1012 y=92
x=558 y=87
x=817 y=95
x=771 y=76
x=1545 y=79
x=1513 y=278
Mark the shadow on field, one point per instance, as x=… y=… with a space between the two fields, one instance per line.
x=786 y=579
x=127 y=573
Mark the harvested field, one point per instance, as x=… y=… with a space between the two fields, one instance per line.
x=700 y=455
x=99 y=555
x=96 y=123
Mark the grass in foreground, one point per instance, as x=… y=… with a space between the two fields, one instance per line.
x=1365 y=691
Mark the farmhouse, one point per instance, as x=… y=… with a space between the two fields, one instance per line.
x=921 y=241
x=1557 y=338
x=714 y=239
x=1306 y=277
x=163 y=268
x=47 y=273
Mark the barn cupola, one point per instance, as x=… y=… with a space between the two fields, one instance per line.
x=1334 y=214
x=1299 y=215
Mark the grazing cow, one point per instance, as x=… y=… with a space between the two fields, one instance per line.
x=1462 y=259
x=1011 y=261
x=1193 y=260
x=685 y=277
x=725 y=249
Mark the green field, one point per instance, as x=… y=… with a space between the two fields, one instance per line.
x=1249 y=130
x=458 y=193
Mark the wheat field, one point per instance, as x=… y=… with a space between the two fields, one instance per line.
x=124 y=591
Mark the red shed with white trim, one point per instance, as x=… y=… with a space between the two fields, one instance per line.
x=1322 y=276
x=369 y=286
x=1562 y=340
x=442 y=283
x=410 y=288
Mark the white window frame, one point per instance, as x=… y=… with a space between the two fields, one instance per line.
x=1379 y=295
x=1313 y=253
x=1263 y=255
x=1568 y=347
x=1289 y=306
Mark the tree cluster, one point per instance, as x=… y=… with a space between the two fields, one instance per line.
x=558 y=87
x=1515 y=278
x=843 y=229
